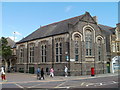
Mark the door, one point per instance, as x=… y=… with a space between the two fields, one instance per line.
x=108 y=67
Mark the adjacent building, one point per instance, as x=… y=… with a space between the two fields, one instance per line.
x=115 y=49
x=79 y=43
x=10 y=63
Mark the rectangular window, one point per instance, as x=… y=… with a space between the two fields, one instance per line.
x=58 y=52
x=31 y=53
x=43 y=53
x=21 y=57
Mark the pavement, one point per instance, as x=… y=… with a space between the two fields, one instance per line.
x=25 y=78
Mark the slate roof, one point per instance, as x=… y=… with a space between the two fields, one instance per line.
x=58 y=28
x=51 y=29
x=107 y=31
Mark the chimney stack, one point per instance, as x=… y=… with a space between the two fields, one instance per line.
x=95 y=19
x=118 y=25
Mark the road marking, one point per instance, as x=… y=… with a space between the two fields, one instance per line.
x=18 y=85
x=115 y=82
x=82 y=83
x=60 y=84
x=34 y=86
x=31 y=81
x=100 y=84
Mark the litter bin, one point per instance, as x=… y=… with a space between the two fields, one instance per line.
x=92 y=71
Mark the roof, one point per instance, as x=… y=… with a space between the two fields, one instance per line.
x=107 y=31
x=51 y=29
x=59 y=28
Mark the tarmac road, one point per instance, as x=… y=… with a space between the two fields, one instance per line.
x=28 y=81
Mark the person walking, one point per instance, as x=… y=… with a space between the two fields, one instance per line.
x=38 y=73
x=42 y=74
x=3 y=76
x=52 y=72
x=66 y=71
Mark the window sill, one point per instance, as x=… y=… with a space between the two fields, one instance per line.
x=89 y=56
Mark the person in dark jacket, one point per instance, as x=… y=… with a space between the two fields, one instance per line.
x=42 y=74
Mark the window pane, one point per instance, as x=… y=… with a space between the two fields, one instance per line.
x=32 y=59
x=76 y=57
x=60 y=58
x=60 y=50
x=56 y=58
x=42 y=59
x=76 y=50
x=60 y=44
x=45 y=58
x=87 y=52
x=56 y=44
x=56 y=50
x=90 y=52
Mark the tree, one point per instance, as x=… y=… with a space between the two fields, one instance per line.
x=5 y=51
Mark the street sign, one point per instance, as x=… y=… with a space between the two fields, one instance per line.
x=67 y=58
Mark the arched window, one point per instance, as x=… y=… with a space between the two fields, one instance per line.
x=88 y=42
x=99 y=41
x=77 y=47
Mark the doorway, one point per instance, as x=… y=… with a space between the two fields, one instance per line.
x=108 y=67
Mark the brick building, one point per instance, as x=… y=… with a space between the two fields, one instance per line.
x=78 y=43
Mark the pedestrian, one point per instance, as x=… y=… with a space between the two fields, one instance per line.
x=52 y=72
x=42 y=74
x=3 y=76
x=66 y=71
x=38 y=73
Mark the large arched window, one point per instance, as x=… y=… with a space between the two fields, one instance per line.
x=77 y=46
x=88 y=42
x=99 y=42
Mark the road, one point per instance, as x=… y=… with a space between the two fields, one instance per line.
x=29 y=81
